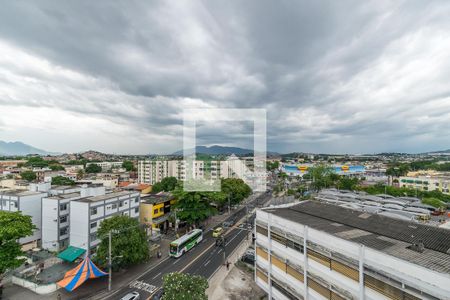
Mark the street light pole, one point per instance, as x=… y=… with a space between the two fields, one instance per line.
x=109 y=261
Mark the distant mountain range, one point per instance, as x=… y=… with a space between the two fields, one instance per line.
x=219 y=150
x=442 y=151
x=19 y=148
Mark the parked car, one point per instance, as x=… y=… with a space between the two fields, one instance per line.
x=158 y=295
x=248 y=258
x=217 y=232
x=230 y=222
x=131 y=296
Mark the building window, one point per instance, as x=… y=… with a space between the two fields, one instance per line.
x=93 y=225
x=63 y=231
x=120 y=203
x=261 y=230
x=276 y=237
x=294 y=245
x=63 y=219
x=284 y=291
x=262 y=275
x=93 y=211
x=319 y=288
x=136 y=210
x=63 y=206
x=93 y=236
x=114 y=206
x=136 y=200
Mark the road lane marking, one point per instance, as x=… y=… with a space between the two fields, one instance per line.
x=175 y=262
x=207 y=262
x=157 y=275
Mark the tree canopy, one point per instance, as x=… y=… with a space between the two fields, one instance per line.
x=236 y=189
x=129 y=243
x=28 y=175
x=13 y=226
x=56 y=167
x=167 y=184
x=271 y=166
x=128 y=165
x=61 y=180
x=194 y=207
x=181 y=286
x=93 y=168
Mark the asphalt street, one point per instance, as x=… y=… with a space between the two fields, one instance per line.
x=204 y=259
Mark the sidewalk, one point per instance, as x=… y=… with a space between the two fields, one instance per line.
x=214 y=290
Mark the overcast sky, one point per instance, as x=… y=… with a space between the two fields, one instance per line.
x=334 y=76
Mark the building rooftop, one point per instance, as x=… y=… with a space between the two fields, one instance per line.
x=64 y=196
x=107 y=196
x=20 y=193
x=391 y=236
x=157 y=198
x=64 y=187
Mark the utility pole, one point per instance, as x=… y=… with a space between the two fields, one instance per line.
x=229 y=204
x=109 y=261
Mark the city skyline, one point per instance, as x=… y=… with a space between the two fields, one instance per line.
x=345 y=77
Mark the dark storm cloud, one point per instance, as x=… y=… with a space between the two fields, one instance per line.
x=326 y=71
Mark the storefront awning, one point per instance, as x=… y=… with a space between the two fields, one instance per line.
x=71 y=253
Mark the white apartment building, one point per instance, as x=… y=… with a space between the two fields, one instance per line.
x=426 y=183
x=29 y=203
x=86 y=214
x=153 y=171
x=320 y=251
x=55 y=221
x=56 y=213
x=107 y=165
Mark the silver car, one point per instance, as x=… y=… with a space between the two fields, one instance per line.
x=131 y=296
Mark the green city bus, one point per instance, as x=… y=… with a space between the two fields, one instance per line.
x=185 y=243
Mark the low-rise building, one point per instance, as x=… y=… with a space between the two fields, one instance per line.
x=56 y=213
x=155 y=210
x=29 y=203
x=426 y=183
x=87 y=213
x=320 y=251
x=107 y=165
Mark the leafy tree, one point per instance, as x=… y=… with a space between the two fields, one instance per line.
x=194 y=207
x=37 y=162
x=13 y=226
x=61 y=180
x=56 y=167
x=93 y=168
x=181 y=286
x=167 y=184
x=128 y=165
x=28 y=175
x=236 y=189
x=129 y=244
x=157 y=187
x=397 y=171
x=271 y=166
x=322 y=177
x=347 y=183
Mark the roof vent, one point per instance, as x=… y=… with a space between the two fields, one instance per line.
x=418 y=247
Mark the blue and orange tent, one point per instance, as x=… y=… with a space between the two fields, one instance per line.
x=78 y=275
